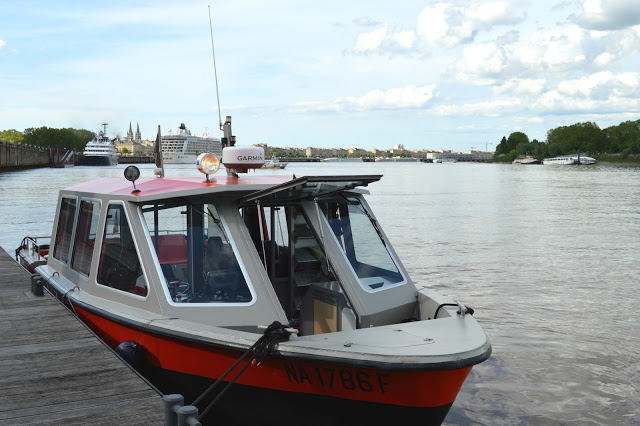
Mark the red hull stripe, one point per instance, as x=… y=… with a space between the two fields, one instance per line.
x=404 y=388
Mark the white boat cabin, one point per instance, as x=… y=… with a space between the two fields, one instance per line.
x=236 y=253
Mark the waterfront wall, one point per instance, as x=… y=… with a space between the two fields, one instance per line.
x=19 y=157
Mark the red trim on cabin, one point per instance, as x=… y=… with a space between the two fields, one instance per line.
x=154 y=186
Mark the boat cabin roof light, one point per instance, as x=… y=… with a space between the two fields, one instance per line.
x=208 y=164
x=132 y=173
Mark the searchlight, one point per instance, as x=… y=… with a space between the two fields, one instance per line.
x=208 y=164
x=132 y=173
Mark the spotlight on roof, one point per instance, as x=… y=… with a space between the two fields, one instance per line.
x=208 y=164
x=132 y=173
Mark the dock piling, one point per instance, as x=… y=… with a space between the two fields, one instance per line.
x=177 y=414
x=188 y=416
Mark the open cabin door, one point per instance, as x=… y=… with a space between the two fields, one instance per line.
x=292 y=250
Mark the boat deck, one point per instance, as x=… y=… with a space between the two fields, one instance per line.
x=54 y=371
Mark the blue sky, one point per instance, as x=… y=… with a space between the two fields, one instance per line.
x=368 y=74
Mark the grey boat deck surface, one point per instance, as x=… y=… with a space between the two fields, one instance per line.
x=53 y=371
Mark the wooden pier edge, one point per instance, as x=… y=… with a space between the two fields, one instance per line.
x=54 y=371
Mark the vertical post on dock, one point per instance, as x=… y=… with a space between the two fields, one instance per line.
x=188 y=416
x=171 y=405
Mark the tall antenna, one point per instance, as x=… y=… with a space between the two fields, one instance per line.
x=215 y=72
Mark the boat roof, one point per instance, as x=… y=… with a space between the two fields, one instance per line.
x=283 y=187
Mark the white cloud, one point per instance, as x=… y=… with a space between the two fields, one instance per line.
x=609 y=14
x=408 y=97
x=597 y=93
x=2 y=43
x=491 y=108
x=559 y=48
x=602 y=85
x=481 y=64
x=443 y=25
x=521 y=86
x=372 y=40
x=432 y=22
x=381 y=39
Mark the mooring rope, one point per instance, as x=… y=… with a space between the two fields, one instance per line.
x=261 y=349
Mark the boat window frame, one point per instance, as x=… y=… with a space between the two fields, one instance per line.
x=234 y=248
x=384 y=240
x=75 y=234
x=73 y=228
x=138 y=252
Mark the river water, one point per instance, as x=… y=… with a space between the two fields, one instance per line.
x=547 y=256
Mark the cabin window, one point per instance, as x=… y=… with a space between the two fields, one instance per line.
x=65 y=229
x=196 y=254
x=119 y=266
x=361 y=241
x=86 y=231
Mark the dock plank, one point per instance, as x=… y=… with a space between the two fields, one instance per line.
x=53 y=371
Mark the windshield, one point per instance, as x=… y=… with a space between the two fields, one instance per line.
x=195 y=253
x=359 y=237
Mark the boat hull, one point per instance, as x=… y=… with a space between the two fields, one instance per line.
x=95 y=160
x=297 y=408
x=295 y=387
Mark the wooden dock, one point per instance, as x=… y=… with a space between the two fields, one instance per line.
x=54 y=371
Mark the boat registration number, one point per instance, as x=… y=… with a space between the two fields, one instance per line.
x=330 y=377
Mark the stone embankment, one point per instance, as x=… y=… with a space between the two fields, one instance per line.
x=19 y=157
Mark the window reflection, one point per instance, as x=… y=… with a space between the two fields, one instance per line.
x=195 y=254
x=361 y=241
x=119 y=265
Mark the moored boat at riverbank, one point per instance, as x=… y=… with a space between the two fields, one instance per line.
x=570 y=160
x=187 y=272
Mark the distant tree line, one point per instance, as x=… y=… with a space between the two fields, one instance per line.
x=68 y=138
x=46 y=137
x=621 y=141
x=11 y=136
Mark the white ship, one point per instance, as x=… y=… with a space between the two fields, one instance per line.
x=183 y=147
x=445 y=160
x=100 y=151
x=573 y=159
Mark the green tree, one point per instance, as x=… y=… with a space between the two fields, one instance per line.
x=501 y=148
x=11 y=135
x=68 y=138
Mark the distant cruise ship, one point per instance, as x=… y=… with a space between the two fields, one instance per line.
x=183 y=147
x=101 y=151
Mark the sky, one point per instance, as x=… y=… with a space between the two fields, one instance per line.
x=366 y=74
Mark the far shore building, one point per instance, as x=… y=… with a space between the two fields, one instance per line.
x=396 y=151
x=133 y=145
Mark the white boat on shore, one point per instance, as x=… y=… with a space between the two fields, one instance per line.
x=573 y=159
x=526 y=160
x=285 y=290
x=100 y=151
x=445 y=160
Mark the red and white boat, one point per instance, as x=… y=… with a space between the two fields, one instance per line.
x=182 y=274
